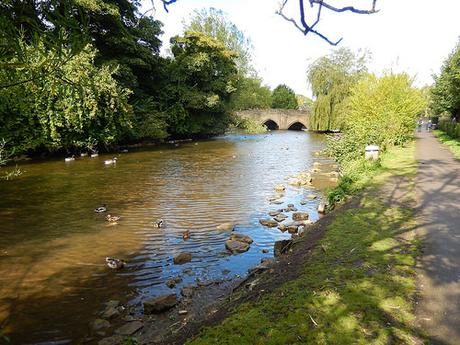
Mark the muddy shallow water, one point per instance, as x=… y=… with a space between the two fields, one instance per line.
x=53 y=278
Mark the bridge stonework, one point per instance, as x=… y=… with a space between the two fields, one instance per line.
x=284 y=118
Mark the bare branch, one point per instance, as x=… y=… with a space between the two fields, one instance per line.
x=305 y=28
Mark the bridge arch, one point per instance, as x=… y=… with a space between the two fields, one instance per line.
x=271 y=125
x=296 y=126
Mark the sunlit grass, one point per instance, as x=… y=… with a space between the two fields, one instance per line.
x=359 y=291
x=453 y=144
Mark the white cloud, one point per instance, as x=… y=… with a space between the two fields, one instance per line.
x=410 y=35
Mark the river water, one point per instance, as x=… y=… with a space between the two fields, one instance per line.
x=53 y=278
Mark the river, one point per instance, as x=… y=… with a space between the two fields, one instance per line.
x=53 y=277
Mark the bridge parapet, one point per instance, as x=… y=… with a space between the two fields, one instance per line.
x=283 y=118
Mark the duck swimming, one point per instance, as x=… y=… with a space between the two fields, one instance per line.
x=110 y=161
x=112 y=219
x=115 y=263
x=93 y=155
x=69 y=159
x=101 y=209
x=186 y=235
x=158 y=223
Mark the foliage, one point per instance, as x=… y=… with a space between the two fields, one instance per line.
x=4 y=158
x=446 y=90
x=249 y=126
x=304 y=102
x=355 y=279
x=331 y=78
x=214 y=23
x=203 y=74
x=250 y=94
x=380 y=111
x=283 y=97
x=57 y=99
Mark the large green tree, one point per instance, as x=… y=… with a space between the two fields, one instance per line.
x=250 y=94
x=284 y=97
x=446 y=90
x=331 y=78
x=203 y=76
x=214 y=23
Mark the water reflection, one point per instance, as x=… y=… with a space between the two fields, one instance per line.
x=52 y=245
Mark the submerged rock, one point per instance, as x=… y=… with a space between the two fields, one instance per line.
x=182 y=258
x=241 y=238
x=236 y=246
x=226 y=227
x=280 y=188
x=280 y=217
x=130 y=328
x=274 y=213
x=268 y=222
x=160 y=304
x=282 y=227
x=300 y=216
x=99 y=324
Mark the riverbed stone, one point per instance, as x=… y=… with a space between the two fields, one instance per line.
x=268 y=222
x=110 y=313
x=160 y=304
x=282 y=247
x=294 y=182
x=130 y=328
x=99 y=324
x=236 y=246
x=226 y=226
x=280 y=188
x=292 y=229
x=282 y=227
x=182 y=258
x=113 y=340
x=300 y=216
x=241 y=238
x=273 y=213
x=280 y=217
x=187 y=291
x=276 y=202
x=322 y=207
x=170 y=283
x=312 y=196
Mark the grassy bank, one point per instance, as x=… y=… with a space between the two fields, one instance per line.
x=357 y=287
x=453 y=144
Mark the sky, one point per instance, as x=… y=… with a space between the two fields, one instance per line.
x=413 y=36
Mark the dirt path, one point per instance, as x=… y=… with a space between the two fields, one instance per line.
x=438 y=196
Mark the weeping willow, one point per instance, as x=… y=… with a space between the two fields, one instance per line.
x=331 y=78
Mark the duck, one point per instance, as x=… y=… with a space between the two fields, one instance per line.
x=94 y=154
x=83 y=154
x=101 y=209
x=158 y=223
x=69 y=159
x=110 y=161
x=112 y=219
x=186 y=235
x=115 y=263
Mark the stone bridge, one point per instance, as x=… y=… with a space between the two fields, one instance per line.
x=277 y=118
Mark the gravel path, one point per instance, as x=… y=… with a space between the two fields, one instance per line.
x=438 y=197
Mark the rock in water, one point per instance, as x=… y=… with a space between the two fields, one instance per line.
x=322 y=207
x=160 y=304
x=241 y=238
x=280 y=217
x=226 y=227
x=182 y=258
x=300 y=216
x=268 y=222
x=282 y=247
x=280 y=188
x=236 y=246
x=99 y=324
x=130 y=328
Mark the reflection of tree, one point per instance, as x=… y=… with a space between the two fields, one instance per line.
x=315 y=5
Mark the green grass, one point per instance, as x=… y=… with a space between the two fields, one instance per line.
x=453 y=144
x=359 y=291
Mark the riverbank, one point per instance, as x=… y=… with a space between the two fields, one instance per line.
x=356 y=285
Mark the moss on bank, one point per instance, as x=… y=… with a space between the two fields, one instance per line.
x=451 y=143
x=358 y=285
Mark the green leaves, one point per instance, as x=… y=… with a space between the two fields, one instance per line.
x=284 y=97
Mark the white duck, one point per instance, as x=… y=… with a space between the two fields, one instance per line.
x=111 y=161
x=115 y=263
x=101 y=209
x=69 y=159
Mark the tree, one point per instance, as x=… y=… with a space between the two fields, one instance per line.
x=446 y=90
x=203 y=75
x=250 y=94
x=314 y=5
x=284 y=97
x=304 y=102
x=214 y=23
x=331 y=78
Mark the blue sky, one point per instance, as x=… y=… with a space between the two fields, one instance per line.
x=411 y=35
